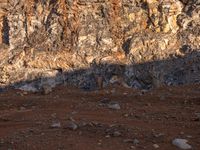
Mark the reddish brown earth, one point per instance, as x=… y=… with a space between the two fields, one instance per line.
x=152 y=117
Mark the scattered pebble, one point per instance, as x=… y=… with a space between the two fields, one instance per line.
x=126 y=115
x=156 y=146
x=157 y=135
x=107 y=136
x=116 y=134
x=189 y=136
x=132 y=147
x=22 y=108
x=99 y=143
x=114 y=105
x=125 y=93
x=181 y=143
x=82 y=124
x=128 y=141
x=197 y=117
x=136 y=141
x=56 y=125
x=71 y=126
x=133 y=141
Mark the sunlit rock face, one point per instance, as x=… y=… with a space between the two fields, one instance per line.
x=139 y=43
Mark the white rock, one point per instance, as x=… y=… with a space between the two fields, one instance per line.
x=55 y=125
x=115 y=106
x=181 y=143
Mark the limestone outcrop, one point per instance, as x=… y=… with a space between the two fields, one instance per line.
x=139 y=43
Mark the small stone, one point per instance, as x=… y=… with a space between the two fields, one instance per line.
x=116 y=134
x=82 y=124
x=104 y=102
x=126 y=115
x=132 y=147
x=128 y=141
x=156 y=146
x=72 y=126
x=56 y=125
x=99 y=143
x=162 y=97
x=158 y=135
x=181 y=143
x=197 y=117
x=42 y=133
x=114 y=106
x=71 y=119
x=125 y=93
x=22 y=108
x=136 y=141
x=189 y=136
x=182 y=133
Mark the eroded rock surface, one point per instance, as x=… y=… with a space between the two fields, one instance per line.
x=142 y=43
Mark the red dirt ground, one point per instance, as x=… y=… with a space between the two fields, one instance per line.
x=152 y=117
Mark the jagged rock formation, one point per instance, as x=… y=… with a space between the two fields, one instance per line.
x=142 y=43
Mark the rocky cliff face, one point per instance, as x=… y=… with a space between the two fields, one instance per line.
x=91 y=43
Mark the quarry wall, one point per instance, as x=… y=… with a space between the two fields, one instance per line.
x=92 y=43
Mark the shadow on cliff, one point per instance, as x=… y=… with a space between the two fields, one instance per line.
x=178 y=70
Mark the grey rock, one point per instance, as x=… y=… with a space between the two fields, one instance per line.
x=71 y=125
x=133 y=141
x=116 y=134
x=114 y=105
x=197 y=116
x=181 y=143
x=136 y=141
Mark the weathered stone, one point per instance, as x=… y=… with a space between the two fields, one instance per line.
x=146 y=43
x=181 y=143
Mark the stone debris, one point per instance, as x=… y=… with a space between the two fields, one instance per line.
x=56 y=125
x=197 y=117
x=128 y=141
x=132 y=141
x=136 y=141
x=92 y=44
x=116 y=134
x=114 y=106
x=181 y=143
x=156 y=146
x=71 y=125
